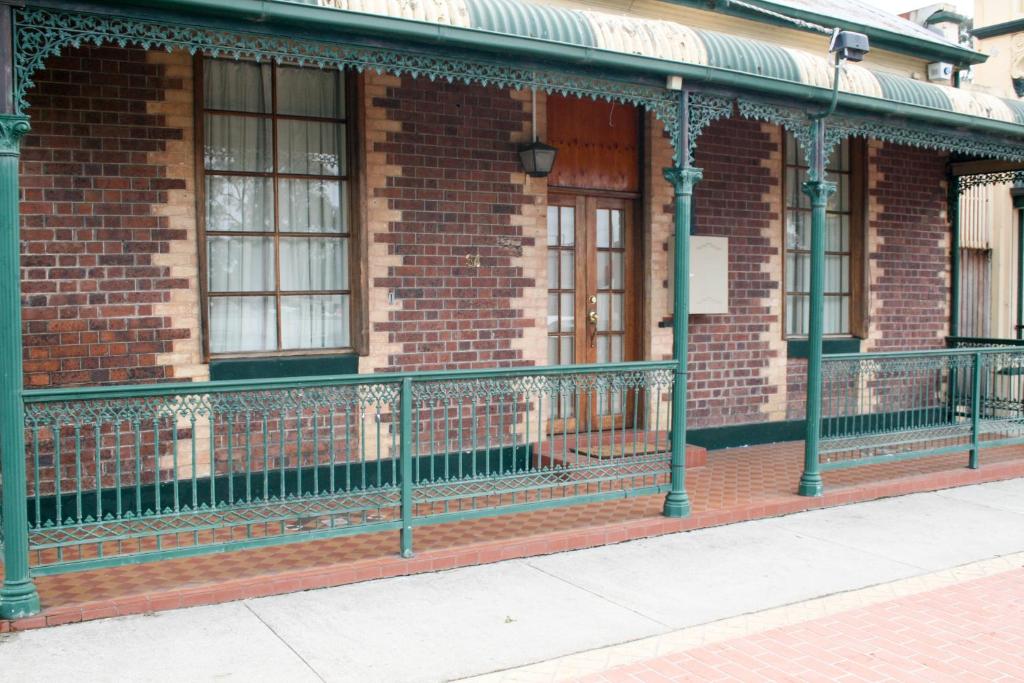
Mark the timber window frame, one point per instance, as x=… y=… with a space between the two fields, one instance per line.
x=848 y=168
x=346 y=236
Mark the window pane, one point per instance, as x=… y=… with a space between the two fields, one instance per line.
x=240 y=264
x=840 y=199
x=552 y=269
x=840 y=159
x=568 y=270
x=236 y=143
x=604 y=270
x=568 y=226
x=798 y=272
x=603 y=312
x=552 y=226
x=833 y=322
x=795 y=196
x=567 y=351
x=310 y=147
x=798 y=232
x=603 y=229
x=618 y=272
x=834 y=274
x=836 y=233
x=552 y=313
x=310 y=92
x=241 y=204
x=314 y=322
x=242 y=323
x=568 y=313
x=553 y=351
x=311 y=263
x=312 y=206
x=236 y=86
x=793 y=157
x=796 y=315
x=618 y=312
x=616 y=217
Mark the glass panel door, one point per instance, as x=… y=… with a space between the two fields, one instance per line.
x=590 y=316
x=610 y=288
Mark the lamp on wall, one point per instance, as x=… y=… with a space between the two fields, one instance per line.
x=537 y=158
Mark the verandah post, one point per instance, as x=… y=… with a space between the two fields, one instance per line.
x=819 y=190
x=18 y=596
x=1017 y=195
x=683 y=178
x=972 y=461
x=954 y=260
x=405 y=463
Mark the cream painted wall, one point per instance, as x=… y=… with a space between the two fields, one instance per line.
x=1006 y=60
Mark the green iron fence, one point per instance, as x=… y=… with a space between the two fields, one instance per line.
x=135 y=473
x=884 y=407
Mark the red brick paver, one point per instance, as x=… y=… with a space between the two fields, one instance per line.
x=736 y=485
x=972 y=631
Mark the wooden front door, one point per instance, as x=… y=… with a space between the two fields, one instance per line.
x=592 y=285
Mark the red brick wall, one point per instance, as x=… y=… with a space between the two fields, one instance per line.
x=455 y=192
x=728 y=353
x=911 y=293
x=89 y=229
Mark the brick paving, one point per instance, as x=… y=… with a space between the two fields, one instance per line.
x=736 y=485
x=971 y=631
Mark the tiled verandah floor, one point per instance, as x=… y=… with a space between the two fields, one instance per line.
x=736 y=484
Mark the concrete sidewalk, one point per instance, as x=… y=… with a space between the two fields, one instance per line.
x=476 y=620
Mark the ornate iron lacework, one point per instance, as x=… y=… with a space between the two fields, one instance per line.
x=43 y=33
x=964 y=183
x=944 y=139
x=838 y=128
x=704 y=110
x=792 y=120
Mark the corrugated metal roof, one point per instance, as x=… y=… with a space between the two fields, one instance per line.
x=673 y=41
x=534 y=21
x=858 y=12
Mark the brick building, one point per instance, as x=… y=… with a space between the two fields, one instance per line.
x=320 y=229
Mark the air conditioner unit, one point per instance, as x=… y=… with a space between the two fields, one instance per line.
x=940 y=71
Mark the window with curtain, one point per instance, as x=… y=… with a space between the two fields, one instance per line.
x=843 y=234
x=276 y=194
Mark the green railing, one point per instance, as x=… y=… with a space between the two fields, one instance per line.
x=981 y=342
x=134 y=473
x=883 y=407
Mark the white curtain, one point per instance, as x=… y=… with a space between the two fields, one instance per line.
x=239 y=143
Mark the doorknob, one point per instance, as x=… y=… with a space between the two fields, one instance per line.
x=592 y=317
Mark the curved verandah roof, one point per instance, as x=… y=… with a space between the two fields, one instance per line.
x=676 y=42
x=510 y=43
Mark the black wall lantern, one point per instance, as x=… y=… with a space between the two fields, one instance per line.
x=537 y=158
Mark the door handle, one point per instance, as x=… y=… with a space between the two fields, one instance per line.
x=592 y=317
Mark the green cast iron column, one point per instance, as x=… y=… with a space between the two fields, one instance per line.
x=1017 y=195
x=954 y=276
x=819 y=190
x=405 y=465
x=18 y=596
x=677 y=503
x=1020 y=273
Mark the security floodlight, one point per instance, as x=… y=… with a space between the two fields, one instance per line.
x=850 y=45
